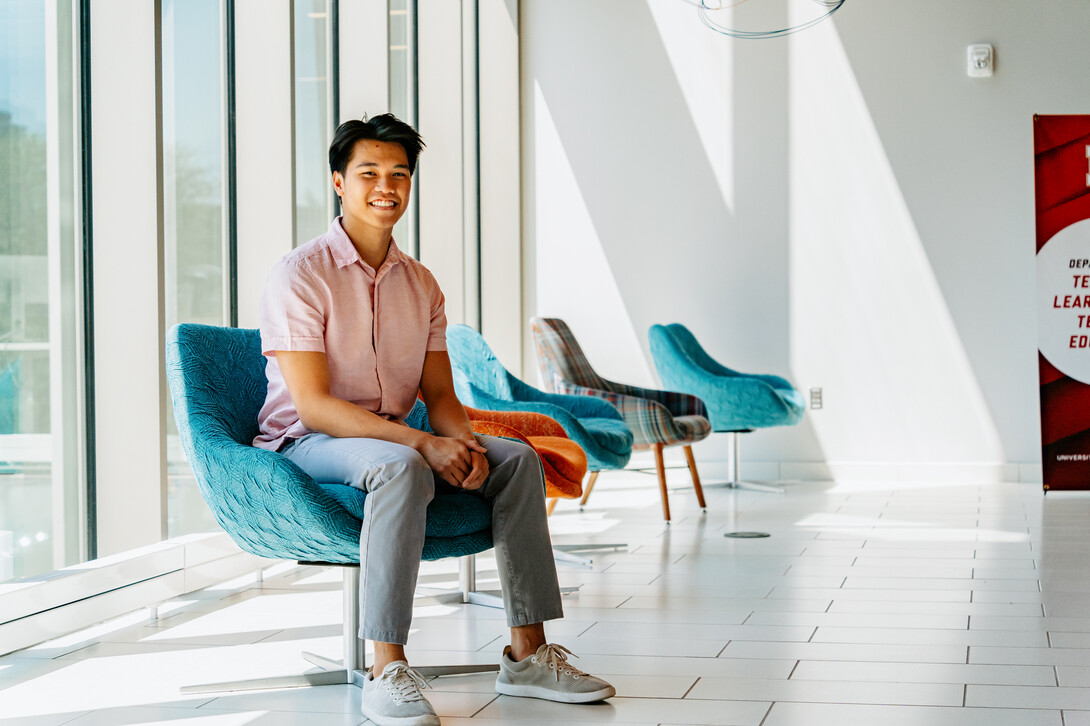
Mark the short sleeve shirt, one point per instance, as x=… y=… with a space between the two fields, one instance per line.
x=374 y=326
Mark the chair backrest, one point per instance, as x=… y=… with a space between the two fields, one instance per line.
x=688 y=344
x=559 y=356
x=222 y=373
x=679 y=359
x=473 y=362
x=265 y=502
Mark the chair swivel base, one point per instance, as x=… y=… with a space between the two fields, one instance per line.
x=336 y=672
x=338 y=677
x=755 y=486
x=565 y=553
x=324 y=678
x=734 y=465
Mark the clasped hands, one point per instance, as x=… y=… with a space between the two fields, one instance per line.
x=459 y=462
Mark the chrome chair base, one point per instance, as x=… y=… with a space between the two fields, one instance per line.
x=353 y=669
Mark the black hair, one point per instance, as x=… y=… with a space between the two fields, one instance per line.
x=385 y=127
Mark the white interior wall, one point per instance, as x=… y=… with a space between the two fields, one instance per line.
x=844 y=207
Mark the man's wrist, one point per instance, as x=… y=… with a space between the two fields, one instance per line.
x=420 y=439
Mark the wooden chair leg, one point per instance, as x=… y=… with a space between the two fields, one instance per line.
x=550 y=506
x=661 y=466
x=696 y=477
x=590 y=485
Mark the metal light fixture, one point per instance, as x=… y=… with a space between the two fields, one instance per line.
x=707 y=9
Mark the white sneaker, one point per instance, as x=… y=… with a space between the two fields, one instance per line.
x=548 y=674
x=394 y=698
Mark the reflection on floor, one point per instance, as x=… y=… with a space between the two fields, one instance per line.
x=869 y=604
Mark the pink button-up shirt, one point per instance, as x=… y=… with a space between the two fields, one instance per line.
x=373 y=326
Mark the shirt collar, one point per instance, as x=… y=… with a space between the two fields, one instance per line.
x=345 y=253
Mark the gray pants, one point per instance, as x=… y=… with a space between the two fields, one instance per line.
x=399 y=484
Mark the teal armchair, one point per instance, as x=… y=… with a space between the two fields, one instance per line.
x=482 y=382
x=736 y=402
x=271 y=508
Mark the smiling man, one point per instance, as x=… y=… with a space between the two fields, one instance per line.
x=353 y=329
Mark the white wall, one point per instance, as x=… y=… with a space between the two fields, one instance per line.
x=843 y=206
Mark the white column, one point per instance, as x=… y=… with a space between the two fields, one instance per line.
x=471 y=211
x=502 y=322
x=265 y=145
x=439 y=181
x=130 y=381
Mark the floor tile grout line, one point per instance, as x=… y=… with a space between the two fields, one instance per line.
x=690 y=688
x=490 y=702
x=793 y=669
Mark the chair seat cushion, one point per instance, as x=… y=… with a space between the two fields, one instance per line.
x=609 y=433
x=450 y=514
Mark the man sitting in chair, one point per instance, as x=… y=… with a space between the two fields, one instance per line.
x=353 y=328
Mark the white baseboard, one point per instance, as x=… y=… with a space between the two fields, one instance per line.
x=885 y=472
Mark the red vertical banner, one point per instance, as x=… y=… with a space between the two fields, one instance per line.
x=1062 y=182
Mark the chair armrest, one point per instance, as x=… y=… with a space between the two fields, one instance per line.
x=578 y=406
x=527 y=423
x=678 y=404
x=650 y=421
x=775 y=381
x=494 y=428
x=718 y=369
x=745 y=403
x=567 y=421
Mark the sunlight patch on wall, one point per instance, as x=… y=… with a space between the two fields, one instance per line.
x=868 y=320
x=574 y=279
x=703 y=63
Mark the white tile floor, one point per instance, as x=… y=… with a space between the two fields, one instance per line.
x=869 y=604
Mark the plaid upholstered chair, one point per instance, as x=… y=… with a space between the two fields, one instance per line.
x=657 y=418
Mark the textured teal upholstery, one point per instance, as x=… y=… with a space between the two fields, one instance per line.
x=735 y=401
x=268 y=505
x=482 y=382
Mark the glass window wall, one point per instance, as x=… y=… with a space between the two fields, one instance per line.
x=39 y=503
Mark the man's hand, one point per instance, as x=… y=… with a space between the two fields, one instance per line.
x=457 y=461
x=479 y=472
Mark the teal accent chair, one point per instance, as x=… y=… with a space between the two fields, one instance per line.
x=482 y=382
x=737 y=402
x=271 y=508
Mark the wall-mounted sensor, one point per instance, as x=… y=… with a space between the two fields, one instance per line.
x=981 y=60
